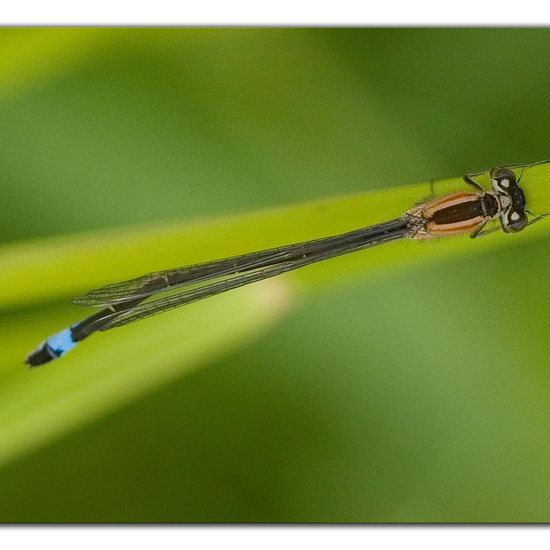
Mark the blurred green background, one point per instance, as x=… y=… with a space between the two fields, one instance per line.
x=421 y=397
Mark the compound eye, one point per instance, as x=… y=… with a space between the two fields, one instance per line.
x=503 y=179
x=515 y=221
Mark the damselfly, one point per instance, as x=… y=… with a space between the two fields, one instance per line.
x=453 y=214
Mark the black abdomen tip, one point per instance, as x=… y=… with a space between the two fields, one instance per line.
x=39 y=357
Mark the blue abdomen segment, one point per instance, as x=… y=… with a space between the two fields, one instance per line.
x=55 y=346
x=61 y=343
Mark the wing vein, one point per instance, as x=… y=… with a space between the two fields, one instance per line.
x=143 y=310
x=161 y=281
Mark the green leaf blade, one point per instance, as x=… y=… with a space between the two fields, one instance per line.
x=114 y=367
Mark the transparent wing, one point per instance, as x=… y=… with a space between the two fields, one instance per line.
x=161 y=281
x=170 y=302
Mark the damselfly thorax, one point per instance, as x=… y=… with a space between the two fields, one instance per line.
x=469 y=212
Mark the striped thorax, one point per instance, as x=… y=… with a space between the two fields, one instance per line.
x=469 y=212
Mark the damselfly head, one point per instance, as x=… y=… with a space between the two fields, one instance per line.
x=511 y=198
x=503 y=180
x=513 y=220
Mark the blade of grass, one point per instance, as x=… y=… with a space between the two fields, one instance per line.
x=69 y=265
x=117 y=366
